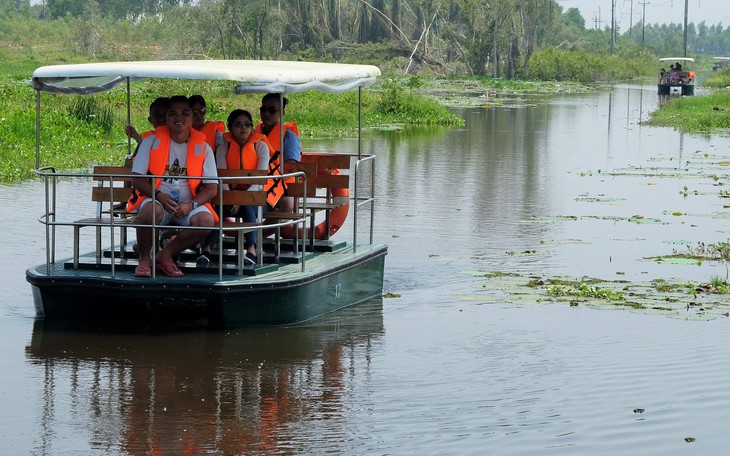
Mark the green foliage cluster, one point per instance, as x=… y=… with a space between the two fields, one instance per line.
x=559 y=65
x=90 y=111
x=398 y=102
x=705 y=113
x=465 y=37
x=719 y=79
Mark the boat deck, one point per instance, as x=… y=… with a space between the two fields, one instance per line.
x=288 y=270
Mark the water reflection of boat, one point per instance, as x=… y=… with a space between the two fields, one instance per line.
x=198 y=392
x=680 y=79
x=314 y=279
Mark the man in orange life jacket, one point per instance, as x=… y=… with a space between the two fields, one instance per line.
x=212 y=129
x=270 y=125
x=173 y=150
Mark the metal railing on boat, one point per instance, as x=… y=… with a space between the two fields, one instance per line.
x=114 y=221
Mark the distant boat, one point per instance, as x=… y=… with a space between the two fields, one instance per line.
x=720 y=62
x=673 y=79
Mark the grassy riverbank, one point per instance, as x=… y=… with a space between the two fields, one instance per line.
x=705 y=113
x=78 y=132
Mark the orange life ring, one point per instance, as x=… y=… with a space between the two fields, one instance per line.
x=337 y=215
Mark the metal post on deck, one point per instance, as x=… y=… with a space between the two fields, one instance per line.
x=281 y=133
x=359 y=156
x=37 y=129
x=129 y=116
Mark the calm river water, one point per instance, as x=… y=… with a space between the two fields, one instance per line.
x=541 y=187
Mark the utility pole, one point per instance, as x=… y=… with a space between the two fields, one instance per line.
x=685 y=27
x=631 y=17
x=643 y=20
x=613 y=26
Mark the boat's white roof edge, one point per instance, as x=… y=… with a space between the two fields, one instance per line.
x=681 y=59
x=257 y=76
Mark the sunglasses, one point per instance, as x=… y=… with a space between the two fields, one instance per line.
x=270 y=110
x=243 y=124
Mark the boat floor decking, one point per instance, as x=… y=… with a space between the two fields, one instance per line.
x=318 y=262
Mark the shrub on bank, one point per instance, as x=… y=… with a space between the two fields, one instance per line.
x=719 y=79
x=558 y=65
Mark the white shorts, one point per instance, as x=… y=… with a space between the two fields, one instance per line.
x=169 y=219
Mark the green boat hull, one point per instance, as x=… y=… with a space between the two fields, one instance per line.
x=287 y=296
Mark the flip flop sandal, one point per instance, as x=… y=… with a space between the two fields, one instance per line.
x=169 y=268
x=143 y=269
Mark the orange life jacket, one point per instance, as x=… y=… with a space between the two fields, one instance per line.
x=275 y=136
x=209 y=130
x=243 y=158
x=246 y=158
x=159 y=158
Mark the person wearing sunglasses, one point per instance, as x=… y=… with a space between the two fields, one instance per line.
x=242 y=148
x=212 y=129
x=271 y=126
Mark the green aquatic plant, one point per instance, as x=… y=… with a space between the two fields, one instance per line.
x=716 y=285
x=663 y=286
x=677 y=299
x=715 y=251
x=584 y=290
x=399 y=101
x=391 y=295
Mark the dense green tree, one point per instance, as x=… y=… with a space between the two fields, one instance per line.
x=496 y=38
x=573 y=16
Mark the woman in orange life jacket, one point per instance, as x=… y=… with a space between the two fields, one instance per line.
x=242 y=148
x=213 y=129
x=291 y=149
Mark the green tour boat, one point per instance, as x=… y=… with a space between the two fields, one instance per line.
x=302 y=270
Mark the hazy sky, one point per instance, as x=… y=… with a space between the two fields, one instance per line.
x=657 y=11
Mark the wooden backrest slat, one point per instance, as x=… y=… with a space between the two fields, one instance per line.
x=339 y=161
x=112 y=170
x=242 y=172
x=242 y=198
x=107 y=194
x=333 y=181
x=296 y=189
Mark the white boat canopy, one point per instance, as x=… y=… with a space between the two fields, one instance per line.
x=252 y=76
x=676 y=59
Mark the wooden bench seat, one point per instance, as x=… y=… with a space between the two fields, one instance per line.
x=320 y=186
x=113 y=187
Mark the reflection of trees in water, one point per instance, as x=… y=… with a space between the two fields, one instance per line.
x=209 y=393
